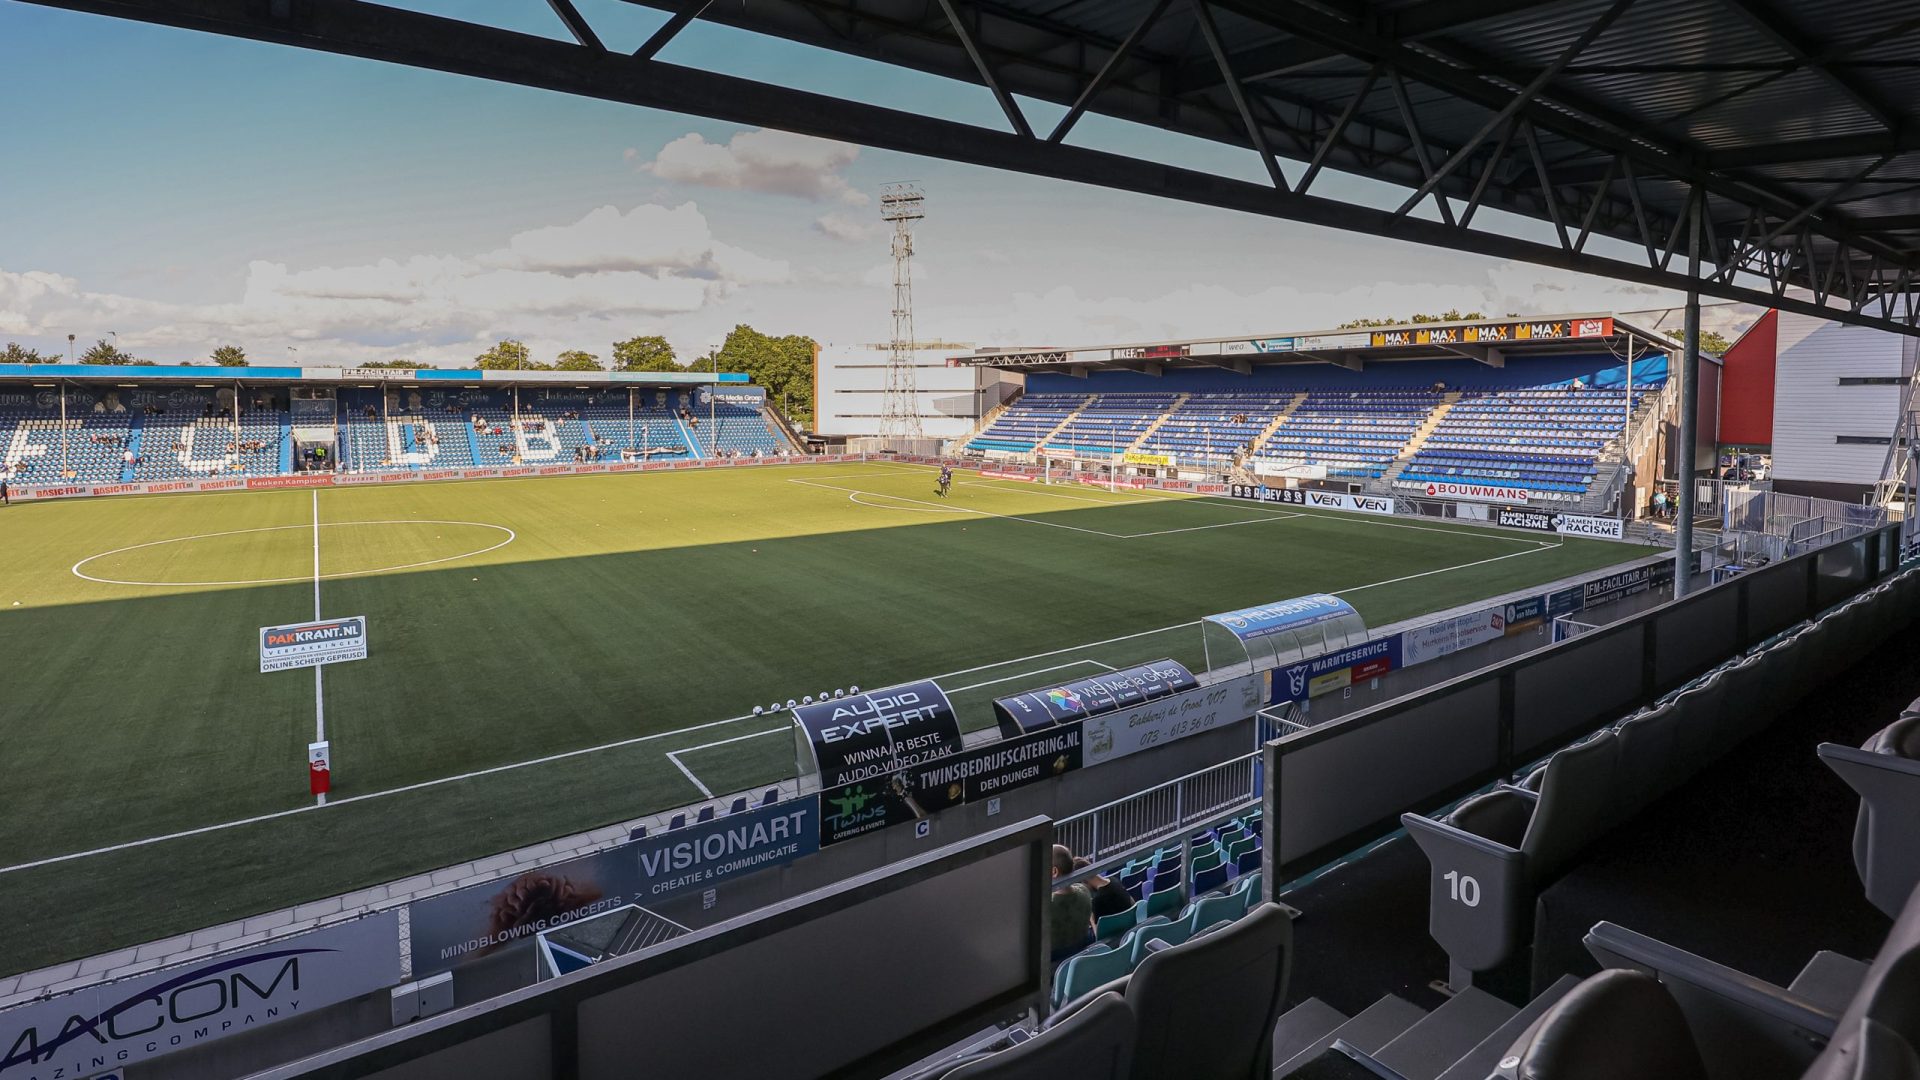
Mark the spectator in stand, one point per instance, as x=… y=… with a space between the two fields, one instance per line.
x=1069 y=909
x=1108 y=897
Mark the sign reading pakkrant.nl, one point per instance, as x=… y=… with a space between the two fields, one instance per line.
x=311 y=644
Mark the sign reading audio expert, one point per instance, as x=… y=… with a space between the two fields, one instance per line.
x=311 y=644
x=861 y=736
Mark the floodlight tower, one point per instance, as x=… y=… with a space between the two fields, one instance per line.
x=901 y=204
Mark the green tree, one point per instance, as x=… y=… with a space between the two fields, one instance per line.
x=648 y=353
x=391 y=365
x=575 y=360
x=783 y=365
x=508 y=355
x=15 y=353
x=230 y=356
x=103 y=353
x=1715 y=342
x=1450 y=315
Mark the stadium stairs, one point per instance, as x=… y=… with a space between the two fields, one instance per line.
x=1158 y=423
x=1279 y=418
x=1419 y=439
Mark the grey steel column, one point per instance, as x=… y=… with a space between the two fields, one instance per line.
x=1689 y=407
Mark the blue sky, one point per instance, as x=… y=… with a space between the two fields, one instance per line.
x=187 y=190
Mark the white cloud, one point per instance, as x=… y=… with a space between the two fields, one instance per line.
x=608 y=274
x=847 y=228
x=777 y=162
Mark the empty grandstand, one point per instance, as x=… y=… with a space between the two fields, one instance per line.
x=171 y=427
x=1542 y=417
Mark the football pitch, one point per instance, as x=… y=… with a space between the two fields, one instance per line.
x=550 y=655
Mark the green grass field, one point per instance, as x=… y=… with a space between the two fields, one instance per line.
x=511 y=621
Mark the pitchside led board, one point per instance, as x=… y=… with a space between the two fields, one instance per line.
x=871 y=734
x=311 y=644
x=1026 y=713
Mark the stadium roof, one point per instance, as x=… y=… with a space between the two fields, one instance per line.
x=1793 y=127
x=1490 y=341
x=193 y=373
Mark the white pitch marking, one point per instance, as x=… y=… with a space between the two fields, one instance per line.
x=968 y=510
x=1446 y=569
x=511 y=537
x=1221 y=525
x=688 y=773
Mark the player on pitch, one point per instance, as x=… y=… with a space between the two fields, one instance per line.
x=946 y=480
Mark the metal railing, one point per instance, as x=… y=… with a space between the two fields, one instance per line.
x=1161 y=811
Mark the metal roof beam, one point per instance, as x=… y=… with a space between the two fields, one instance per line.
x=689 y=11
x=1486 y=354
x=393 y=35
x=1793 y=40
x=1825 y=148
x=576 y=25
x=1007 y=105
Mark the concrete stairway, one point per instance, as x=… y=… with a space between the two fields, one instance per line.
x=1159 y=420
x=1463 y=1039
x=1419 y=439
x=1066 y=423
x=1279 y=418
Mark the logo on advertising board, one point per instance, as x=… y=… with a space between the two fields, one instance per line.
x=482 y=919
x=866 y=806
x=303 y=481
x=177 y=485
x=1443 y=489
x=1157 y=461
x=56 y=492
x=1263 y=493
x=1524 y=615
x=1164 y=720
x=1256 y=622
x=1583 y=328
x=1581 y=525
x=1449 y=636
x=1021 y=713
x=1152 y=352
x=1353 y=504
x=865 y=735
x=1627 y=583
x=116 y=489
x=113 y=1025
x=1311 y=678
x=303 y=645
x=987 y=771
x=1521 y=518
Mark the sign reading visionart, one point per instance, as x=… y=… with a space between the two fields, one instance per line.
x=115 y=1024
x=481 y=919
x=311 y=644
x=878 y=732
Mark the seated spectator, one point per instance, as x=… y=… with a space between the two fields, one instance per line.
x=1108 y=897
x=1069 y=909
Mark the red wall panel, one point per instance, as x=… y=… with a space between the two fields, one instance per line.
x=1746 y=385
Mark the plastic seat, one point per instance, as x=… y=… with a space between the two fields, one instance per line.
x=1088 y=969
x=1107 y=926
x=1617 y=1024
